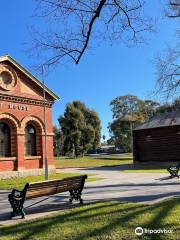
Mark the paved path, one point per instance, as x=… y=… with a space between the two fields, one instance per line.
x=145 y=188
x=133 y=187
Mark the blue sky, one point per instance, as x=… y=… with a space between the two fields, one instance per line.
x=103 y=74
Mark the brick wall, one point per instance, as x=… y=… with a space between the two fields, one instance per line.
x=17 y=114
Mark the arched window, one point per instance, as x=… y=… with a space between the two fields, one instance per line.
x=30 y=140
x=5 y=140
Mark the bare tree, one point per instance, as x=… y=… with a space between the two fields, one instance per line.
x=168 y=72
x=173 y=8
x=73 y=26
x=168 y=65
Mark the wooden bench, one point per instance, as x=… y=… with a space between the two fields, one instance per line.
x=173 y=170
x=73 y=185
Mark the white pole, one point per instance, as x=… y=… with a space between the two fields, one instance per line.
x=45 y=129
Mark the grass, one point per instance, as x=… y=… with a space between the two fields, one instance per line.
x=101 y=221
x=110 y=160
x=125 y=160
x=20 y=182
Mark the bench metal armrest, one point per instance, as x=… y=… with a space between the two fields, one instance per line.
x=17 y=194
x=16 y=190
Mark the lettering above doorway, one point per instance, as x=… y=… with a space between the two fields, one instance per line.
x=19 y=107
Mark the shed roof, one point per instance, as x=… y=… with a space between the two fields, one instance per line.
x=162 y=120
x=27 y=73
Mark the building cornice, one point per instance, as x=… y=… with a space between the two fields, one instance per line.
x=29 y=101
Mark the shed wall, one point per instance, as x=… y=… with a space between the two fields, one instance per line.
x=158 y=144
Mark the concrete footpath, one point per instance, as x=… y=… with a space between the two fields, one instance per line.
x=146 y=188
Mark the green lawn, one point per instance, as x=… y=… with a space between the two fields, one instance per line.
x=20 y=182
x=101 y=221
x=110 y=160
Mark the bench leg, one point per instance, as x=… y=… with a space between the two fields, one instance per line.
x=18 y=211
x=174 y=175
x=173 y=172
x=75 y=195
x=23 y=213
x=17 y=206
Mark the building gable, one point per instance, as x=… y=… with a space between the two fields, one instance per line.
x=17 y=81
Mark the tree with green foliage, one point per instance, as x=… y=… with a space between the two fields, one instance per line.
x=169 y=107
x=58 y=141
x=148 y=109
x=120 y=134
x=132 y=108
x=81 y=129
x=128 y=112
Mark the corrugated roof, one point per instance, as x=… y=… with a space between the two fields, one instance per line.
x=163 y=120
x=27 y=73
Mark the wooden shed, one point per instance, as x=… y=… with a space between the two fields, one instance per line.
x=158 y=140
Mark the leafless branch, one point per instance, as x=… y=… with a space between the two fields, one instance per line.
x=174 y=9
x=168 y=72
x=73 y=26
x=87 y=37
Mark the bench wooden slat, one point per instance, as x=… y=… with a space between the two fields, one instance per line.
x=52 y=184
x=64 y=184
x=51 y=187
x=40 y=186
x=58 y=180
x=41 y=194
x=52 y=190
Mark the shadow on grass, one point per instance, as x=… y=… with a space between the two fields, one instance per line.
x=115 y=220
x=94 y=159
x=129 y=166
x=157 y=221
x=114 y=159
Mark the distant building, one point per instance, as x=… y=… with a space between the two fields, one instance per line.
x=22 y=132
x=108 y=149
x=158 y=140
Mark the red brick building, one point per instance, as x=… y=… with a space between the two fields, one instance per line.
x=22 y=132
